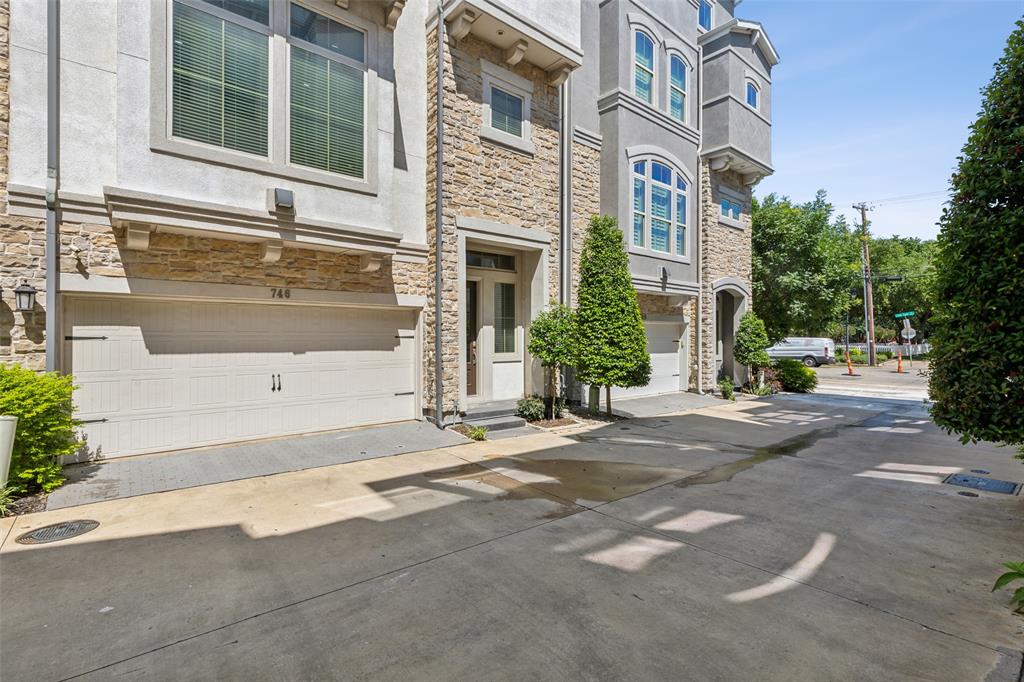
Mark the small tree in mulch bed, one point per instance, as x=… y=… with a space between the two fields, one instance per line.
x=612 y=341
x=553 y=342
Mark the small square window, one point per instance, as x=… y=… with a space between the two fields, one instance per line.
x=661 y=173
x=752 y=95
x=705 y=15
x=506 y=112
x=725 y=207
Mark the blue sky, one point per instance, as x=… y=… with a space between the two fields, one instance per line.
x=873 y=99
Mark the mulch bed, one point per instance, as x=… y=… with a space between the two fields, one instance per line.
x=27 y=505
x=553 y=423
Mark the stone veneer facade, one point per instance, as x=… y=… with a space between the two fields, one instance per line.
x=726 y=252
x=482 y=179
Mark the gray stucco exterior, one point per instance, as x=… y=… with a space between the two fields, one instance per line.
x=717 y=120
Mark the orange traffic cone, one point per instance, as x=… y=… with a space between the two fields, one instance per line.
x=899 y=362
x=849 y=366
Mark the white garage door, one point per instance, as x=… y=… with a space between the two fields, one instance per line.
x=663 y=343
x=162 y=375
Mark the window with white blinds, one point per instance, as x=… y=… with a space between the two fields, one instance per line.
x=327 y=86
x=504 y=317
x=224 y=59
x=220 y=81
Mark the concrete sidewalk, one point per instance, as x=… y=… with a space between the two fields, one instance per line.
x=667 y=403
x=131 y=476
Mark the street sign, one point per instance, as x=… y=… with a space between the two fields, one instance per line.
x=908 y=313
x=908 y=333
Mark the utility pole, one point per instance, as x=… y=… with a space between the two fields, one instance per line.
x=869 y=303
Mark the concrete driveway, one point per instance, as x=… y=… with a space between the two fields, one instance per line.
x=804 y=538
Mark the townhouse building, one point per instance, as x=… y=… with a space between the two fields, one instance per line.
x=254 y=218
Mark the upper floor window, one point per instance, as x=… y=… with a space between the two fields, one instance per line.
x=677 y=88
x=506 y=112
x=705 y=16
x=659 y=207
x=753 y=94
x=224 y=71
x=220 y=76
x=643 y=58
x=731 y=208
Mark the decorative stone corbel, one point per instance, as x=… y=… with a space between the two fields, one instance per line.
x=557 y=75
x=136 y=237
x=370 y=262
x=720 y=163
x=270 y=252
x=514 y=54
x=341 y=3
x=459 y=27
x=394 y=11
x=751 y=179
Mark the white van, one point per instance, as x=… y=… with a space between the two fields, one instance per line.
x=810 y=351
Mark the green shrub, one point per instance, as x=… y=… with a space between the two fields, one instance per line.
x=761 y=390
x=725 y=386
x=882 y=356
x=793 y=376
x=1015 y=573
x=7 y=497
x=531 y=409
x=476 y=432
x=46 y=429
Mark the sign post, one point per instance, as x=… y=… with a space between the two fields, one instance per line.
x=908 y=333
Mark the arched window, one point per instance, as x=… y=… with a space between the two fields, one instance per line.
x=643 y=60
x=659 y=207
x=705 y=17
x=677 y=88
x=753 y=94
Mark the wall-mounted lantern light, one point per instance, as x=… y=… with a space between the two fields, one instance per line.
x=25 y=297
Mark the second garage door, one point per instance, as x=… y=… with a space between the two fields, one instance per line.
x=162 y=375
x=663 y=343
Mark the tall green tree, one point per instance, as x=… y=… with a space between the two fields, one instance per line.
x=977 y=369
x=751 y=346
x=910 y=259
x=553 y=341
x=805 y=265
x=612 y=348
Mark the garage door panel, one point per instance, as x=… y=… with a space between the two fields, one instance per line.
x=176 y=374
x=663 y=341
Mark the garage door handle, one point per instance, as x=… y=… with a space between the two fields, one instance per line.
x=278 y=382
x=273 y=386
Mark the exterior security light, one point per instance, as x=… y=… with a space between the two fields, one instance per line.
x=284 y=200
x=25 y=297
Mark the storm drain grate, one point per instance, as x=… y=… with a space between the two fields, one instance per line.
x=989 y=485
x=57 y=531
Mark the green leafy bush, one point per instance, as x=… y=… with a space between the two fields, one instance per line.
x=882 y=356
x=531 y=409
x=46 y=429
x=553 y=341
x=725 y=386
x=476 y=432
x=793 y=376
x=1015 y=573
x=7 y=497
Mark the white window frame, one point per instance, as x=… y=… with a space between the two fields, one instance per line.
x=672 y=88
x=302 y=44
x=276 y=162
x=747 y=84
x=734 y=198
x=494 y=76
x=711 y=12
x=636 y=64
x=673 y=221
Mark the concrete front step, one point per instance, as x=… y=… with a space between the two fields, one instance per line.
x=499 y=423
x=504 y=408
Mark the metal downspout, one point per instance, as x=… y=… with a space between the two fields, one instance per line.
x=700 y=223
x=565 y=178
x=438 y=241
x=52 y=164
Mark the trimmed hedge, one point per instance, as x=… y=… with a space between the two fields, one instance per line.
x=46 y=429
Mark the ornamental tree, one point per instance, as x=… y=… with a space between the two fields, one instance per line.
x=612 y=348
x=977 y=358
x=553 y=342
x=751 y=342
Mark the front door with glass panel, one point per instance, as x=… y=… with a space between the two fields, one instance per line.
x=494 y=331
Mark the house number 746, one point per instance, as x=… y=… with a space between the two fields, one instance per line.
x=280 y=293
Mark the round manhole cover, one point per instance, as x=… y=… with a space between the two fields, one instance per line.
x=57 y=531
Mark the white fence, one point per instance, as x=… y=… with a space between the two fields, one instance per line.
x=906 y=348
